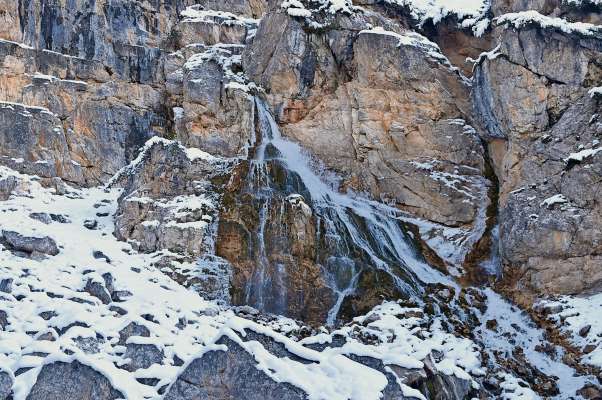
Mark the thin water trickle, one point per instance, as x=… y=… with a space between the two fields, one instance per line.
x=356 y=233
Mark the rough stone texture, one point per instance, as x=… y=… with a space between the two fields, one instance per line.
x=297 y=287
x=29 y=244
x=210 y=28
x=231 y=374
x=215 y=114
x=246 y=8
x=170 y=203
x=533 y=101
x=98 y=122
x=72 y=381
x=32 y=140
x=165 y=177
x=6 y=384
x=141 y=356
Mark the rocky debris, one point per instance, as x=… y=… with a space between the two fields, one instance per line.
x=590 y=392
x=72 y=381
x=29 y=246
x=226 y=374
x=209 y=275
x=6 y=285
x=90 y=224
x=132 y=329
x=3 y=319
x=545 y=159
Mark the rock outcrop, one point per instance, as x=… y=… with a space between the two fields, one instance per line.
x=543 y=136
x=6 y=384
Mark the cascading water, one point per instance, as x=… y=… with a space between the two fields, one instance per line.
x=353 y=234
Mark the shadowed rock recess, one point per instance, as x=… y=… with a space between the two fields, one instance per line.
x=300 y=199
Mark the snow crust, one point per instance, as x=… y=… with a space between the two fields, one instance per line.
x=470 y=13
x=532 y=17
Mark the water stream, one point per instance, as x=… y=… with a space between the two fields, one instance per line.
x=357 y=233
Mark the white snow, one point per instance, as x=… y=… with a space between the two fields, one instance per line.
x=470 y=13
x=595 y=91
x=556 y=199
x=523 y=18
x=516 y=329
x=582 y=155
x=296 y=8
x=195 y=14
x=572 y=314
x=53 y=283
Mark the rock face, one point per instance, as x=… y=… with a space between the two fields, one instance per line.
x=342 y=163
x=395 y=129
x=99 y=79
x=170 y=203
x=72 y=381
x=543 y=135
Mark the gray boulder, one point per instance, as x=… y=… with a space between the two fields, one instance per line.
x=231 y=374
x=141 y=356
x=72 y=381
x=30 y=245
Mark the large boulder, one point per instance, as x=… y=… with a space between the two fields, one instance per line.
x=171 y=202
x=229 y=374
x=29 y=245
x=72 y=381
x=168 y=201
